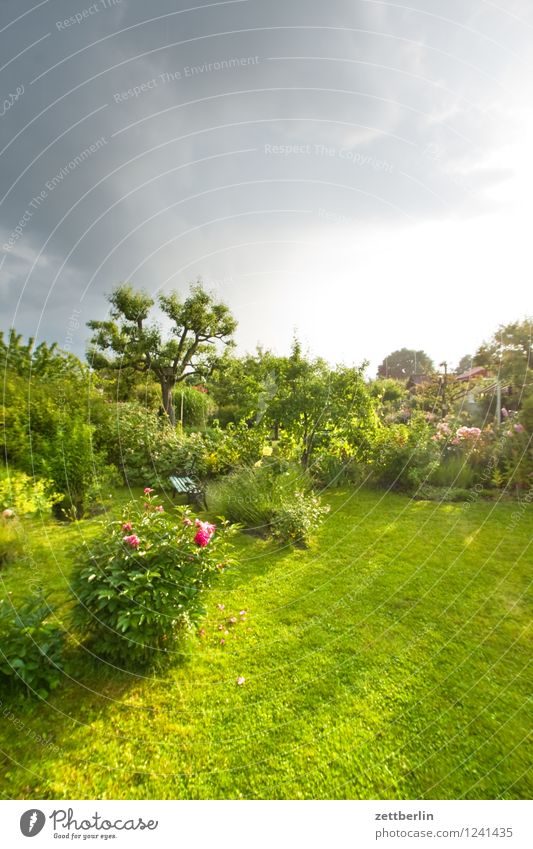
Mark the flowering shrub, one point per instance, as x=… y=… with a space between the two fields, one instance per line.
x=140 y=586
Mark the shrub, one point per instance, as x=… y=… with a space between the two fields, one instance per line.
x=24 y=494
x=11 y=541
x=30 y=646
x=333 y=470
x=145 y=447
x=74 y=467
x=139 y=587
x=295 y=520
x=236 y=446
x=404 y=455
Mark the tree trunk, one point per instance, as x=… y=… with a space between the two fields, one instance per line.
x=168 y=406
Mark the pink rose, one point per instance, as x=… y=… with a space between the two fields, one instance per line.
x=132 y=540
x=147 y=490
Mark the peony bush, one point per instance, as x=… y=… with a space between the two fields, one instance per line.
x=139 y=587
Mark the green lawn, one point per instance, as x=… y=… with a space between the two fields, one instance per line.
x=388 y=661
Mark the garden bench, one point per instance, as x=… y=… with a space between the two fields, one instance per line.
x=185 y=485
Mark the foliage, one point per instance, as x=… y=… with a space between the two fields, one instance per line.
x=11 y=541
x=405 y=362
x=237 y=445
x=48 y=433
x=24 y=494
x=31 y=646
x=74 y=467
x=127 y=342
x=27 y=360
x=320 y=408
x=335 y=469
x=267 y=498
x=195 y=404
x=243 y=387
x=139 y=587
x=296 y=518
x=509 y=353
x=404 y=455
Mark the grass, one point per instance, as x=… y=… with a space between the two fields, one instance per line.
x=388 y=661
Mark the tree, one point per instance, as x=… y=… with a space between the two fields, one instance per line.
x=320 y=407
x=403 y=363
x=27 y=360
x=131 y=341
x=465 y=364
x=509 y=352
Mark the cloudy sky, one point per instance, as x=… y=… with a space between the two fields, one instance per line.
x=358 y=171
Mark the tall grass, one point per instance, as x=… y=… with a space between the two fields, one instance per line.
x=455 y=472
x=251 y=495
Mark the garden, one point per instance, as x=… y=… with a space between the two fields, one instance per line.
x=344 y=612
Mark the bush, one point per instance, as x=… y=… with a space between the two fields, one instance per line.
x=145 y=447
x=236 y=446
x=404 y=455
x=30 y=646
x=140 y=586
x=24 y=494
x=270 y=497
x=11 y=541
x=295 y=520
x=333 y=470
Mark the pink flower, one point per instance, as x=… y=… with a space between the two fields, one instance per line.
x=147 y=490
x=127 y=526
x=204 y=533
x=160 y=509
x=223 y=642
x=519 y=428
x=187 y=522
x=232 y=620
x=505 y=413
x=240 y=680
x=132 y=540
x=242 y=613
x=202 y=538
x=221 y=606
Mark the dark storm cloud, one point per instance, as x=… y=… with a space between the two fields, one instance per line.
x=150 y=138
